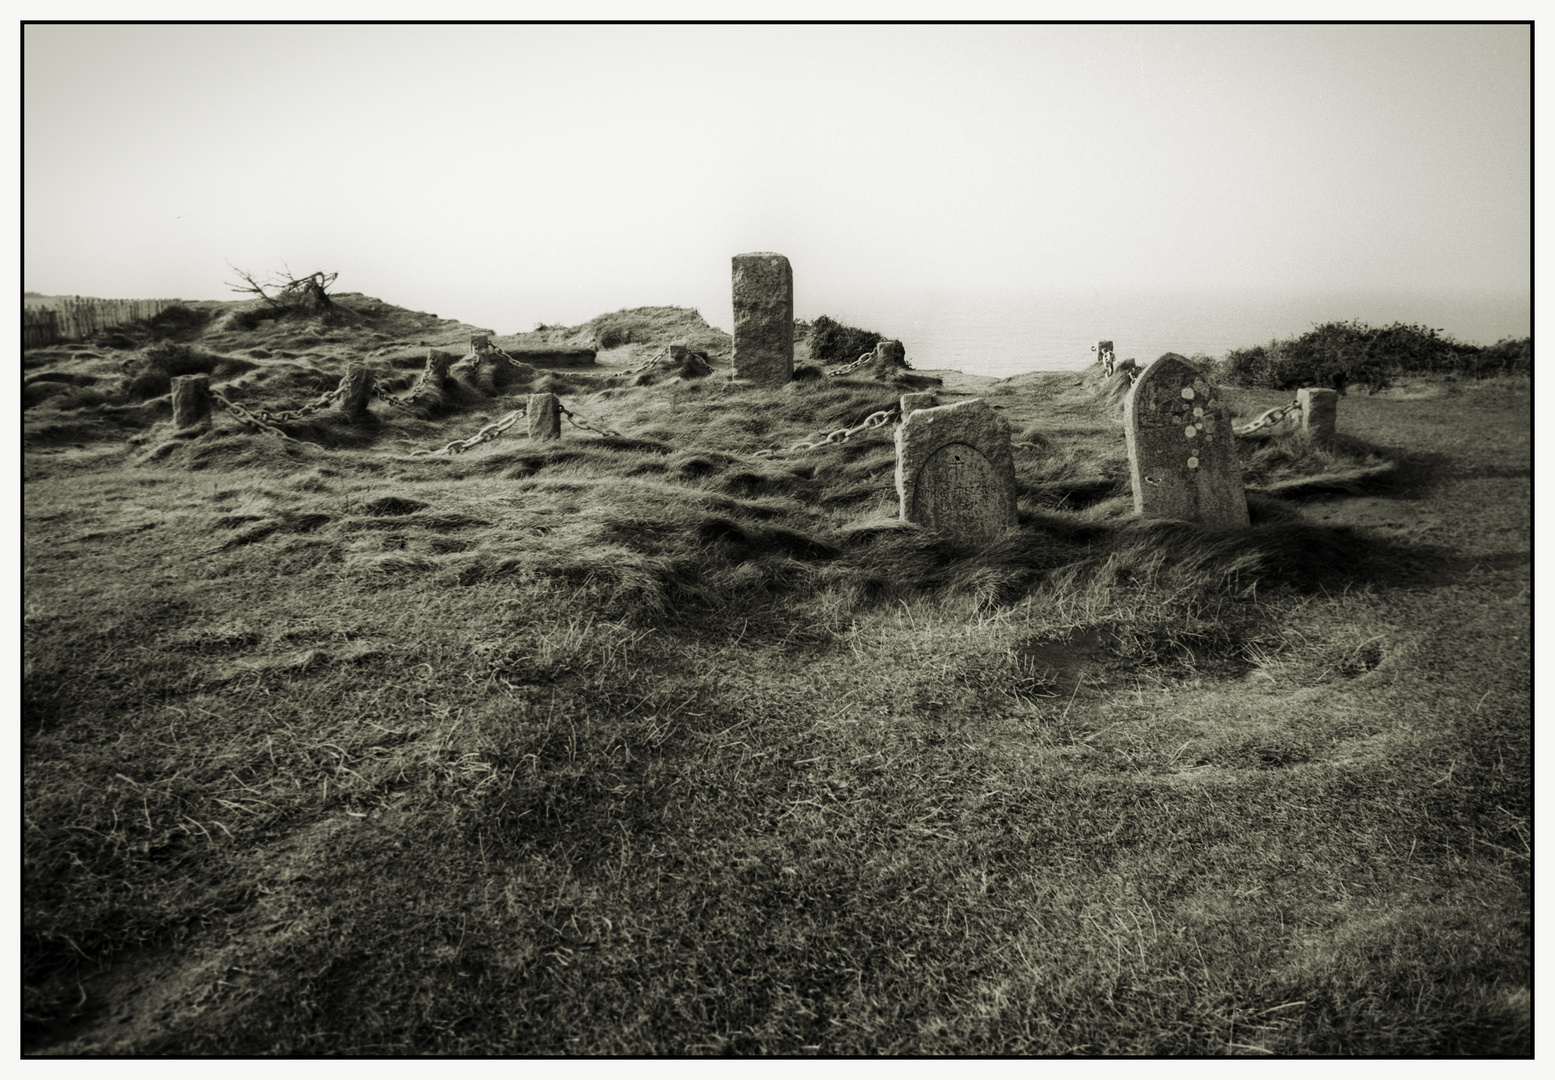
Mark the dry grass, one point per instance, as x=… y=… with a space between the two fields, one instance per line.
x=644 y=744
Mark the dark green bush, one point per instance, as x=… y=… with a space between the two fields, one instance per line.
x=150 y=372
x=1338 y=354
x=1509 y=356
x=613 y=337
x=175 y=319
x=830 y=340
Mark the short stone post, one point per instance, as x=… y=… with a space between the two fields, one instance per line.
x=955 y=470
x=911 y=403
x=545 y=417
x=1319 y=410
x=191 y=401
x=890 y=354
x=480 y=343
x=763 y=318
x=1105 y=356
x=358 y=384
x=1181 y=456
x=436 y=370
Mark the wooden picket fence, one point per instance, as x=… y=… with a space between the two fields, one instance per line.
x=77 y=317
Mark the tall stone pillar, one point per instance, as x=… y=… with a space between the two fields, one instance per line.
x=763 y=318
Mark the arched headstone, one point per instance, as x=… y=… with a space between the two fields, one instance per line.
x=763 y=283
x=955 y=471
x=1181 y=456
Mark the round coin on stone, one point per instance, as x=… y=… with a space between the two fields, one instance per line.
x=1193 y=463
x=1190 y=431
x=1187 y=392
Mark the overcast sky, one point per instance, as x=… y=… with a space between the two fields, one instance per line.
x=511 y=174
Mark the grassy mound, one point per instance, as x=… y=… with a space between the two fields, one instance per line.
x=648 y=329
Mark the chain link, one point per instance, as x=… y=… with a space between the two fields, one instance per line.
x=583 y=425
x=324 y=401
x=841 y=435
x=493 y=430
x=650 y=362
x=407 y=400
x=1277 y=415
x=851 y=368
x=247 y=416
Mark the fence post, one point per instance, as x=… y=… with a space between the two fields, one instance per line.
x=358 y=382
x=191 y=401
x=545 y=417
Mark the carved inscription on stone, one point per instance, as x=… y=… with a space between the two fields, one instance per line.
x=959 y=492
x=955 y=471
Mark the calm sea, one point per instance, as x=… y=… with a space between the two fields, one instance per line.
x=1003 y=334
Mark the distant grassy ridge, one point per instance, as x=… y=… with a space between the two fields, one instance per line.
x=646 y=327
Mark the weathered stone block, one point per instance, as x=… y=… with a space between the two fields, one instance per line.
x=480 y=343
x=545 y=417
x=436 y=369
x=358 y=384
x=955 y=471
x=1319 y=410
x=763 y=318
x=913 y=402
x=191 y=401
x=1181 y=455
x=890 y=353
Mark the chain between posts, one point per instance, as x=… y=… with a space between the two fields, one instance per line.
x=406 y=401
x=246 y=416
x=583 y=425
x=650 y=362
x=851 y=368
x=1270 y=418
x=324 y=401
x=493 y=430
x=870 y=422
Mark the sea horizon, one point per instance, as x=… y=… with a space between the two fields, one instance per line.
x=1008 y=333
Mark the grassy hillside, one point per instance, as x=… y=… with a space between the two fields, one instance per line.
x=648 y=742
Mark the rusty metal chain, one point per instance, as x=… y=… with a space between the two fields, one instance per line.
x=1270 y=418
x=583 y=425
x=495 y=429
x=407 y=400
x=841 y=435
x=650 y=362
x=246 y=416
x=851 y=368
x=324 y=401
